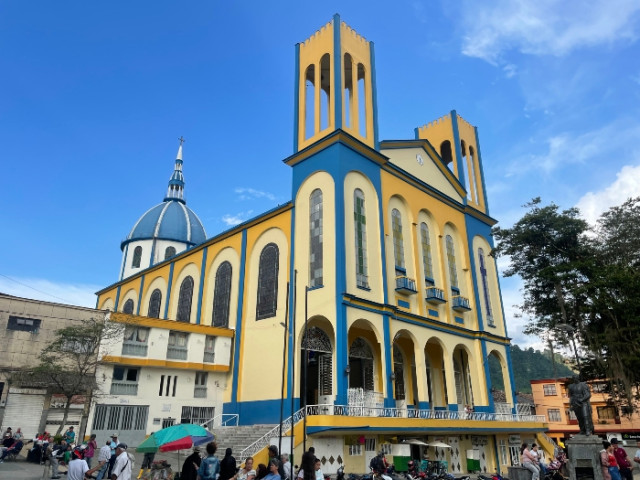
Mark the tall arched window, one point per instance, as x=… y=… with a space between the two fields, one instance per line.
x=184 y=300
x=268 y=282
x=154 y=304
x=398 y=371
x=446 y=154
x=315 y=238
x=398 y=245
x=360 y=224
x=137 y=256
x=426 y=254
x=128 y=307
x=169 y=252
x=485 y=288
x=451 y=259
x=222 y=296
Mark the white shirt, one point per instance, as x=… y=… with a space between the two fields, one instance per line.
x=637 y=455
x=77 y=469
x=105 y=453
x=122 y=467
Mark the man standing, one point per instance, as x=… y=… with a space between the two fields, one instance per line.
x=113 y=444
x=122 y=467
x=210 y=466
x=623 y=462
x=286 y=466
x=636 y=457
x=103 y=461
x=57 y=453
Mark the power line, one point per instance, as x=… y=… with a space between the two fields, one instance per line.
x=33 y=288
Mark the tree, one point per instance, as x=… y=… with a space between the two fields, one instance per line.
x=68 y=363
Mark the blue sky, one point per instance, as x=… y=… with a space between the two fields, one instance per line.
x=95 y=95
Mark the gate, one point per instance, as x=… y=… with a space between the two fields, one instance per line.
x=128 y=421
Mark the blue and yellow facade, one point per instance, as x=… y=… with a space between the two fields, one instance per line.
x=370 y=299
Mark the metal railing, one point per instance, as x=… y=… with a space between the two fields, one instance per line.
x=458 y=302
x=137 y=349
x=177 y=353
x=264 y=440
x=222 y=420
x=406 y=284
x=124 y=388
x=434 y=293
x=200 y=392
x=209 y=357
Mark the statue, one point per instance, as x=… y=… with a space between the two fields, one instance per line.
x=579 y=395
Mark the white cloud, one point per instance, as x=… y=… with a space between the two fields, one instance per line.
x=251 y=194
x=232 y=220
x=42 y=289
x=510 y=70
x=626 y=185
x=545 y=27
x=511 y=297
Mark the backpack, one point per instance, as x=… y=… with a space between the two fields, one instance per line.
x=209 y=470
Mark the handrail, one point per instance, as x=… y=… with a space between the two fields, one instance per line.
x=232 y=417
x=263 y=441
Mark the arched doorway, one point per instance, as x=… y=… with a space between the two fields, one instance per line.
x=462 y=378
x=319 y=373
x=361 y=365
x=436 y=374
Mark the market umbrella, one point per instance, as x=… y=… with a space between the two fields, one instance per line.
x=176 y=437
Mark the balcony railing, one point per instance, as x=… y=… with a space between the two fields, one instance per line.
x=176 y=353
x=460 y=303
x=406 y=285
x=209 y=357
x=200 y=392
x=137 y=349
x=434 y=295
x=124 y=388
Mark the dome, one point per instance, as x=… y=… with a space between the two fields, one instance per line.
x=169 y=220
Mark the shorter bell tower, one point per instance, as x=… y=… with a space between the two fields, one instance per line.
x=335 y=86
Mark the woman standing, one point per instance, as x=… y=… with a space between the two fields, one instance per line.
x=612 y=464
x=90 y=451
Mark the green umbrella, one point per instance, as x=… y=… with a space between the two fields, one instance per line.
x=176 y=437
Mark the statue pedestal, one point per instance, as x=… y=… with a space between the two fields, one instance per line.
x=584 y=457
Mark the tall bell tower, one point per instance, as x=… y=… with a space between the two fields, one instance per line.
x=335 y=86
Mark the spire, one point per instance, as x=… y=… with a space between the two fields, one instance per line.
x=176 y=182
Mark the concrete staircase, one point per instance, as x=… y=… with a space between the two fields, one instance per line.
x=238 y=438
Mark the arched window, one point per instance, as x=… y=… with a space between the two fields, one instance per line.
x=169 y=252
x=137 y=256
x=268 y=282
x=222 y=296
x=485 y=288
x=315 y=238
x=398 y=371
x=398 y=244
x=361 y=365
x=128 y=307
x=310 y=101
x=451 y=259
x=360 y=224
x=154 y=304
x=426 y=254
x=445 y=154
x=184 y=300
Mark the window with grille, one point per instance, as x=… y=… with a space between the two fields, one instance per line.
x=128 y=307
x=360 y=223
x=426 y=254
x=485 y=288
x=23 y=324
x=197 y=415
x=355 y=450
x=398 y=371
x=267 y=303
x=451 y=260
x=184 y=300
x=549 y=389
x=607 y=413
x=315 y=238
x=135 y=341
x=137 y=257
x=554 y=415
x=154 y=304
x=222 y=296
x=209 y=349
x=168 y=385
x=398 y=241
x=177 y=346
x=169 y=252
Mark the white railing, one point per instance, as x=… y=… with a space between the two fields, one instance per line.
x=222 y=420
x=200 y=392
x=264 y=440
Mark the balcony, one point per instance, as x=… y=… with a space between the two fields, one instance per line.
x=434 y=295
x=406 y=285
x=176 y=353
x=200 y=392
x=136 y=349
x=460 y=303
x=124 y=388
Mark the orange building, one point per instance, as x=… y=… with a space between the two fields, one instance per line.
x=551 y=399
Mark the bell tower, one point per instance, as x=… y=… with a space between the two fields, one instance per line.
x=335 y=86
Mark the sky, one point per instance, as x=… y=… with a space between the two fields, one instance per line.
x=96 y=94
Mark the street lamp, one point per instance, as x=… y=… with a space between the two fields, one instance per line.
x=570 y=330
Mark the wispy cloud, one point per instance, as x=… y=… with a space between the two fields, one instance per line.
x=234 y=219
x=511 y=298
x=545 y=27
x=626 y=185
x=251 y=194
x=40 y=289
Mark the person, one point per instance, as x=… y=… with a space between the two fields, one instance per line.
x=123 y=465
x=246 y=473
x=70 y=436
x=636 y=457
x=538 y=458
x=623 y=462
x=612 y=464
x=227 y=465
x=286 y=466
x=377 y=463
x=112 y=460
x=147 y=462
x=191 y=465
x=604 y=460
x=261 y=471
x=527 y=461
x=307 y=466
x=57 y=454
x=273 y=455
x=104 y=455
x=18 y=435
x=90 y=451
x=7 y=433
x=274 y=467
x=210 y=466
x=15 y=447
x=318 y=469
x=579 y=395
x=77 y=466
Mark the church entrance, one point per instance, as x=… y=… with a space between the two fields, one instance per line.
x=318 y=376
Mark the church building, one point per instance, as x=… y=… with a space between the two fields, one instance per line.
x=364 y=312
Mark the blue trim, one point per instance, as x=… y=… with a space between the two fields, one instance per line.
x=124 y=261
x=292 y=293
x=416 y=133
x=419 y=429
x=201 y=287
x=166 y=305
x=433 y=313
x=374 y=97
x=487 y=372
x=337 y=70
x=296 y=100
x=511 y=377
x=402 y=303
x=153 y=251
x=342 y=356
x=459 y=319
x=424 y=405
x=458 y=150
x=140 y=294
x=236 y=350
x=389 y=401
x=115 y=307
x=484 y=188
